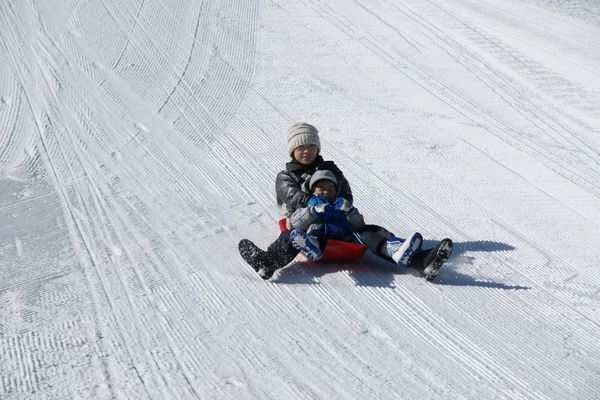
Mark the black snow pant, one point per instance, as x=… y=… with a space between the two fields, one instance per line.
x=283 y=252
x=375 y=236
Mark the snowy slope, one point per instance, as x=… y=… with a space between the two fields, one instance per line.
x=139 y=141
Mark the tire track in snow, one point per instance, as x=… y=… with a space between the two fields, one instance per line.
x=101 y=215
x=95 y=208
x=462 y=104
x=348 y=155
x=531 y=104
x=556 y=255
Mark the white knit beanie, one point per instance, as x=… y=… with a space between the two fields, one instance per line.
x=302 y=133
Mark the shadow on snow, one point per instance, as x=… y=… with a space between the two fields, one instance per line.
x=372 y=271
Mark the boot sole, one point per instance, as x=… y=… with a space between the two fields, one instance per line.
x=247 y=251
x=443 y=254
x=301 y=242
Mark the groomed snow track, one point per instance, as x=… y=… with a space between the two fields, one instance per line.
x=139 y=141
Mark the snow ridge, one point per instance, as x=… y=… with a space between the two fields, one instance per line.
x=139 y=141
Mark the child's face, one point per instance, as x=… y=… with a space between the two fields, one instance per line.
x=306 y=154
x=327 y=189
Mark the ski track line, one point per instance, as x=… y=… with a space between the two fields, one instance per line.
x=39 y=126
x=389 y=302
x=224 y=73
x=524 y=69
x=28 y=199
x=150 y=58
x=383 y=298
x=512 y=129
x=149 y=151
x=10 y=141
x=97 y=281
x=527 y=67
x=166 y=295
x=306 y=345
x=389 y=53
x=185 y=69
x=351 y=311
x=82 y=164
x=15 y=103
x=28 y=311
x=517 y=309
x=565 y=204
x=524 y=308
x=98 y=196
x=231 y=94
x=132 y=27
x=172 y=328
x=149 y=277
x=575 y=210
x=237 y=63
x=451 y=341
x=557 y=31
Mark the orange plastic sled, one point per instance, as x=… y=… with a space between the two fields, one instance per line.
x=336 y=250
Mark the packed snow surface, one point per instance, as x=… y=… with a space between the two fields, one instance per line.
x=139 y=142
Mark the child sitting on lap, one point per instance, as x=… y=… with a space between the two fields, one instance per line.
x=328 y=216
x=320 y=218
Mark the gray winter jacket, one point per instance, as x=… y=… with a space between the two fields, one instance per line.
x=304 y=219
x=291 y=184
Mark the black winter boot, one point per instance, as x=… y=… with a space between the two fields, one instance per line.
x=280 y=253
x=417 y=260
x=253 y=255
x=435 y=258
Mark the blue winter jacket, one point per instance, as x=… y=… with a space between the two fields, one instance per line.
x=337 y=227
